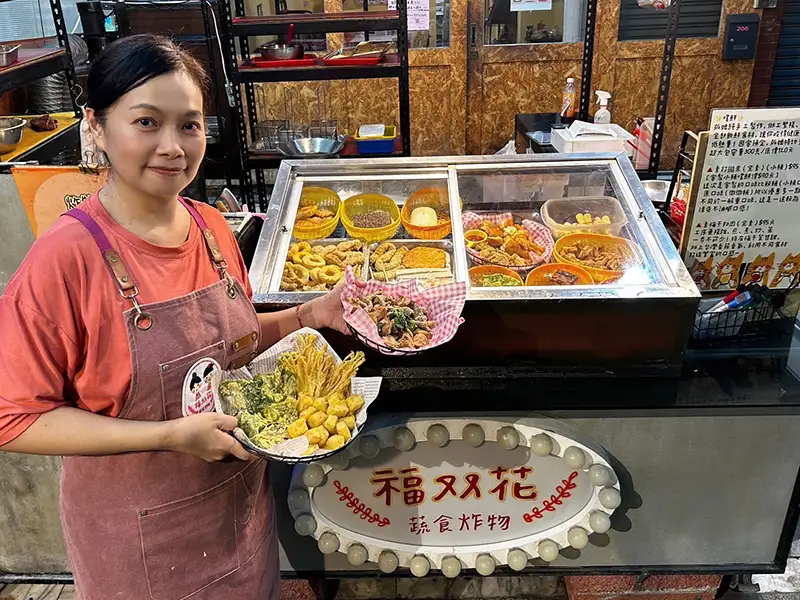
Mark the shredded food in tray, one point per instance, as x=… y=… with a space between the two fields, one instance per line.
x=401 y=322
x=319 y=268
x=307 y=395
x=609 y=257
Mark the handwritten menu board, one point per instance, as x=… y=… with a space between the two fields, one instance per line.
x=745 y=224
x=419 y=14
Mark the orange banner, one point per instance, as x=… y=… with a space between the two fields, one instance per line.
x=49 y=192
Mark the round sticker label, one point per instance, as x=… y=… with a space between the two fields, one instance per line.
x=199 y=385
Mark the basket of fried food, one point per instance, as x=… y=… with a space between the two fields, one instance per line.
x=318 y=213
x=495 y=239
x=402 y=319
x=298 y=401
x=603 y=257
x=317 y=266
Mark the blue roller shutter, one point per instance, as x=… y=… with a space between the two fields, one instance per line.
x=785 y=88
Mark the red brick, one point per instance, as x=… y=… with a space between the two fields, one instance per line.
x=298 y=589
x=682 y=587
x=647 y=596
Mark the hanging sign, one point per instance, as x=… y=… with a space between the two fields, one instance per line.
x=49 y=192
x=451 y=493
x=418 y=13
x=745 y=223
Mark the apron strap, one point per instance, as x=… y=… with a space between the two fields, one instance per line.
x=220 y=264
x=127 y=287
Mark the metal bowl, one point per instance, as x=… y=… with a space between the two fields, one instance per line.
x=8 y=55
x=311 y=147
x=276 y=51
x=10 y=133
x=656 y=190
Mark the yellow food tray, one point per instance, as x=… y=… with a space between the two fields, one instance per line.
x=31 y=138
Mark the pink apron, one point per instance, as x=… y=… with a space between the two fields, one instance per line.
x=166 y=525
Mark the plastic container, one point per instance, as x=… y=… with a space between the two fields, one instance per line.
x=323 y=198
x=363 y=203
x=630 y=249
x=558 y=211
x=563 y=141
x=476 y=273
x=436 y=198
x=541 y=275
x=383 y=144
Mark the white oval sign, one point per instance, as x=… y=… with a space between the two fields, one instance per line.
x=454 y=496
x=530 y=489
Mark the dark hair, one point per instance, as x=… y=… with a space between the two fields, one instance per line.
x=132 y=61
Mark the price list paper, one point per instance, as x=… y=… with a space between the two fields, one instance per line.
x=746 y=217
x=418 y=12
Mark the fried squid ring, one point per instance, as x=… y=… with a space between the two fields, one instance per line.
x=297 y=272
x=348 y=246
x=312 y=261
x=314 y=274
x=330 y=275
x=304 y=247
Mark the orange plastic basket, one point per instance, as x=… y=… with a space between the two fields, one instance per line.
x=541 y=275
x=629 y=249
x=323 y=198
x=476 y=274
x=435 y=198
x=364 y=203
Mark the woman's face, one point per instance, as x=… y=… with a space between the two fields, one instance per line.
x=154 y=135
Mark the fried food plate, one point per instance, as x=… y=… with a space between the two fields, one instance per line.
x=442 y=305
x=300 y=448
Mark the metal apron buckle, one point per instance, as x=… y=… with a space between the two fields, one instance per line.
x=143 y=321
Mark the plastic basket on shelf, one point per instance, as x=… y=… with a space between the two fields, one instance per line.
x=383 y=144
x=364 y=203
x=322 y=198
x=433 y=197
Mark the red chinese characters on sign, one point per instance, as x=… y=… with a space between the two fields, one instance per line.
x=464 y=522
x=519 y=491
x=409 y=484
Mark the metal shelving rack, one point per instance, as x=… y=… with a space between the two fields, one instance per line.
x=238 y=26
x=36 y=63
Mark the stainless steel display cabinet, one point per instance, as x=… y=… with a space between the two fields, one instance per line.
x=640 y=320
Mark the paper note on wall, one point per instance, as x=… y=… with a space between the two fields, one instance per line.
x=520 y=5
x=419 y=14
x=49 y=192
x=745 y=225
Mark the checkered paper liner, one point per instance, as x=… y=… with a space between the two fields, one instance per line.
x=265 y=363
x=537 y=232
x=443 y=303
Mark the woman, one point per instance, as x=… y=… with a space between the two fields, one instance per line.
x=101 y=324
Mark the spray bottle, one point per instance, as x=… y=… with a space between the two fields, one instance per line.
x=603 y=115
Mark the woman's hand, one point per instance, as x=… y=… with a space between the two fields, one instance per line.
x=325 y=311
x=204 y=435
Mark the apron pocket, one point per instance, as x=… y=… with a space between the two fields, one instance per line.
x=254 y=509
x=177 y=394
x=189 y=544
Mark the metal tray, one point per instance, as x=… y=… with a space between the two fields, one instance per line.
x=325 y=242
x=445 y=245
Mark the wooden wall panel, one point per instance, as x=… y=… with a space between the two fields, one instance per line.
x=634 y=90
x=522 y=87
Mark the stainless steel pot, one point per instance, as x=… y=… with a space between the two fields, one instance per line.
x=278 y=51
x=10 y=133
x=8 y=55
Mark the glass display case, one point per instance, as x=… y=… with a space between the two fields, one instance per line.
x=575 y=232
